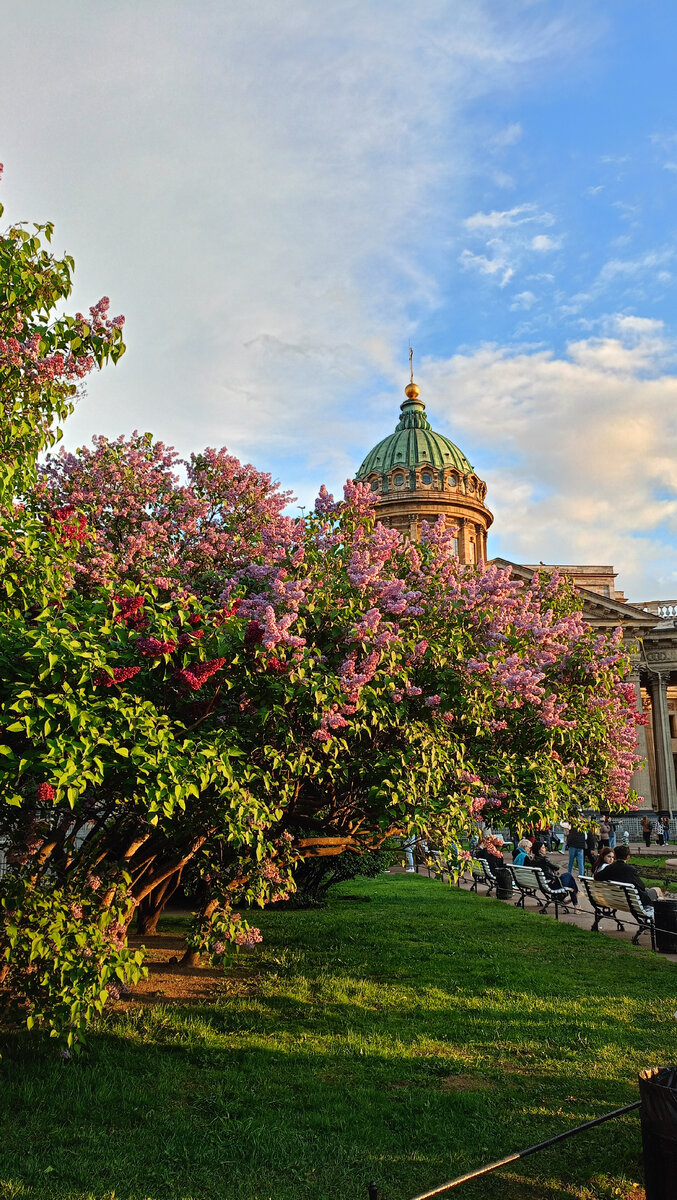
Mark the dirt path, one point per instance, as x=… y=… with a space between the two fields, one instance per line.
x=170 y=983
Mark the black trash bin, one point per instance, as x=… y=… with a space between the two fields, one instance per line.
x=665 y=916
x=503 y=884
x=658 y=1095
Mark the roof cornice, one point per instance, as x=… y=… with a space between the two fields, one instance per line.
x=599 y=610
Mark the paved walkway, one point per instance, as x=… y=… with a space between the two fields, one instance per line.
x=584 y=918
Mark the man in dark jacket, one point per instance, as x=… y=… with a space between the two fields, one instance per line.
x=576 y=846
x=621 y=871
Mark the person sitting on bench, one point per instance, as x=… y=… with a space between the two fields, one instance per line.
x=523 y=854
x=621 y=871
x=604 y=859
x=491 y=849
x=551 y=872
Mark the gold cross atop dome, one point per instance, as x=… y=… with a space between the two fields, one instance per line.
x=412 y=391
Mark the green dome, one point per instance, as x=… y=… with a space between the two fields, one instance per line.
x=414 y=443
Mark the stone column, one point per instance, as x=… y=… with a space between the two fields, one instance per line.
x=665 y=769
x=466 y=532
x=482 y=539
x=462 y=539
x=641 y=780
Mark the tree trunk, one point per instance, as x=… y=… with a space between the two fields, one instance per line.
x=152 y=906
x=191 y=958
x=147 y=916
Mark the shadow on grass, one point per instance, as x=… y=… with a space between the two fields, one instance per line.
x=406 y=1041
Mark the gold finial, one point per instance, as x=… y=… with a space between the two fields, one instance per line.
x=412 y=391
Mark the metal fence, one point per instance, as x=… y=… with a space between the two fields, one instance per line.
x=511 y=1158
x=631 y=822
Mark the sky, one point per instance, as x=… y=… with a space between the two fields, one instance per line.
x=281 y=198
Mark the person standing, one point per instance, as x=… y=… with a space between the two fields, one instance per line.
x=660 y=832
x=604 y=831
x=665 y=821
x=646 y=827
x=612 y=833
x=576 y=847
x=591 y=847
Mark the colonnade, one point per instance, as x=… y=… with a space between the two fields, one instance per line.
x=656 y=787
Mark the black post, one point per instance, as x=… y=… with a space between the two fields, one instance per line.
x=658 y=1092
x=373 y=1191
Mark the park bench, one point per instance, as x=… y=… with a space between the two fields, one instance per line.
x=608 y=898
x=481 y=872
x=529 y=881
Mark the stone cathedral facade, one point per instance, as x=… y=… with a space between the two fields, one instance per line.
x=420 y=475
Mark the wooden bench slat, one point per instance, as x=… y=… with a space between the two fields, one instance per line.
x=531 y=880
x=609 y=896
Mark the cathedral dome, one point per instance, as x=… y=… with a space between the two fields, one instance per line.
x=414 y=443
x=419 y=475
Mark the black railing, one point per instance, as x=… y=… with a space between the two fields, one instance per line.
x=511 y=1158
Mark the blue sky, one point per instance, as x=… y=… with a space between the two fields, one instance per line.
x=279 y=199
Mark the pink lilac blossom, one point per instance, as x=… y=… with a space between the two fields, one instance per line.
x=198 y=673
x=248 y=937
x=120 y=675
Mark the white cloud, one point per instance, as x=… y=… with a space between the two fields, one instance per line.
x=508 y=240
x=521 y=214
x=667 y=144
x=630 y=268
x=594 y=191
x=523 y=300
x=261 y=195
x=584 y=448
x=498 y=265
x=508 y=136
x=543 y=242
x=628 y=212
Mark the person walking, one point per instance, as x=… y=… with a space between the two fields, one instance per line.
x=660 y=832
x=604 y=831
x=576 y=848
x=646 y=827
x=612 y=833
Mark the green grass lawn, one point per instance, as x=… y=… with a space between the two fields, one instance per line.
x=405 y=1040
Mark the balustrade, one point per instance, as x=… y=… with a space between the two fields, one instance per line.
x=665 y=609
